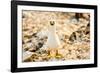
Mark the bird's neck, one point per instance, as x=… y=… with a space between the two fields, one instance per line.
x=53 y=29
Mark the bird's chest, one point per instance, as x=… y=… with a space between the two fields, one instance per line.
x=53 y=41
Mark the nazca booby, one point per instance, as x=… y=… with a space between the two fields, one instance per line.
x=53 y=39
x=53 y=42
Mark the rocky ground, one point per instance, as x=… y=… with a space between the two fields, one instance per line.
x=73 y=30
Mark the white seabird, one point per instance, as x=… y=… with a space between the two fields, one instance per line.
x=53 y=42
x=53 y=39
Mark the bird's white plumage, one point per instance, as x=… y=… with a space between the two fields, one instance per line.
x=53 y=39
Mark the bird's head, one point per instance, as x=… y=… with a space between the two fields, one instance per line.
x=52 y=26
x=52 y=23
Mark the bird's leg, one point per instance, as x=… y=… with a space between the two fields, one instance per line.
x=53 y=52
x=56 y=52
